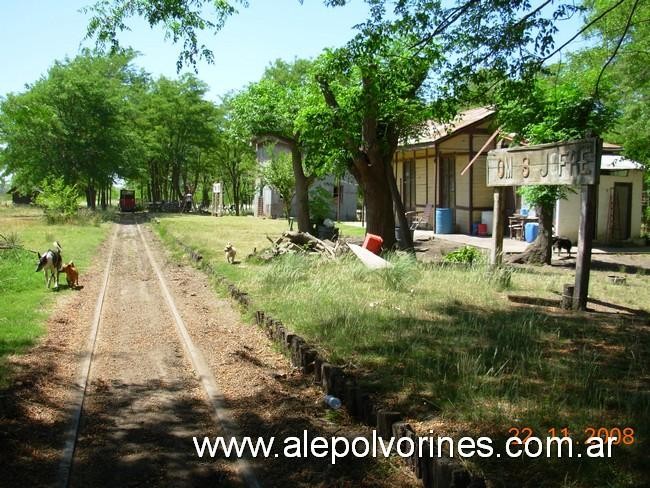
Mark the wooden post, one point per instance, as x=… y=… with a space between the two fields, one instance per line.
x=496 y=254
x=567 y=297
x=585 y=238
x=471 y=184
x=435 y=184
x=216 y=199
x=586 y=234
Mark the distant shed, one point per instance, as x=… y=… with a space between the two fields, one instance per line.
x=21 y=198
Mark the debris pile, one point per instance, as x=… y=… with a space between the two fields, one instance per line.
x=301 y=242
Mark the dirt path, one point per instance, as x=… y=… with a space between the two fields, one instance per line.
x=145 y=401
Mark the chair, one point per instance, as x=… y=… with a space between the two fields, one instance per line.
x=517 y=231
x=516 y=226
x=420 y=219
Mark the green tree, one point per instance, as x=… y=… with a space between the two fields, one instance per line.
x=601 y=90
x=278 y=174
x=234 y=158
x=267 y=110
x=72 y=123
x=410 y=54
x=620 y=58
x=555 y=109
x=370 y=100
x=179 y=129
x=57 y=199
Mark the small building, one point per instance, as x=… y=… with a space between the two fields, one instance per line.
x=268 y=203
x=619 y=207
x=19 y=198
x=429 y=170
x=432 y=171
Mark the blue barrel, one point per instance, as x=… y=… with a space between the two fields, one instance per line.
x=444 y=222
x=530 y=231
x=474 y=229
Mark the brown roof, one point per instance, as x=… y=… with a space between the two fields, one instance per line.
x=435 y=131
x=608 y=147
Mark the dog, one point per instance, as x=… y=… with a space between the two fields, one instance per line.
x=71 y=275
x=231 y=252
x=51 y=261
x=560 y=243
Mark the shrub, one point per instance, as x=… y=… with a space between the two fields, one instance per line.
x=58 y=200
x=466 y=255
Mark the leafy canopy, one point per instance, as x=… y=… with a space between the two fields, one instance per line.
x=73 y=122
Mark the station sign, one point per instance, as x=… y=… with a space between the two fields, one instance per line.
x=564 y=163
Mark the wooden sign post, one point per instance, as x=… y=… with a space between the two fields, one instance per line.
x=585 y=238
x=565 y=163
x=496 y=256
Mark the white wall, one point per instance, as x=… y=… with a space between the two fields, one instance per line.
x=567 y=212
x=567 y=217
x=272 y=205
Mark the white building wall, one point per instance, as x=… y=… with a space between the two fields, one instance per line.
x=605 y=188
x=567 y=212
x=267 y=203
x=567 y=217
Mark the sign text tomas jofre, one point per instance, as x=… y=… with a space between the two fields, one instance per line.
x=564 y=163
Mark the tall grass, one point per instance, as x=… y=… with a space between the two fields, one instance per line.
x=444 y=340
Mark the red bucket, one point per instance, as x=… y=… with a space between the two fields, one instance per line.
x=482 y=230
x=373 y=243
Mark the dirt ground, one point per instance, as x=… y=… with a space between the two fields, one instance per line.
x=629 y=260
x=144 y=400
x=434 y=250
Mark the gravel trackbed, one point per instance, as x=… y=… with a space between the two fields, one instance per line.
x=145 y=402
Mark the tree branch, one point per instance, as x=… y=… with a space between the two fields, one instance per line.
x=450 y=19
x=581 y=31
x=289 y=141
x=330 y=100
x=618 y=45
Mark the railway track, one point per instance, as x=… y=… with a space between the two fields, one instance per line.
x=143 y=389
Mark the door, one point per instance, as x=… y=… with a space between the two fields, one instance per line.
x=447 y=182
x=621 y=211
x=408 y=185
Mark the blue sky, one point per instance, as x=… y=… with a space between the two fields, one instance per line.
x=35 y=33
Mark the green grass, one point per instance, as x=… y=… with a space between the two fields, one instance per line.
x=446 y=346
x=347 y=230
x=25 y=302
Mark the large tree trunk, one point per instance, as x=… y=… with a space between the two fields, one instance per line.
x=176 y=183
x=205 y=193
x=380 y=219
x=540 y=251
x=236 y=195
x=90 y=196
x=405 y=229
x=102 y=198
x=302 y=190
